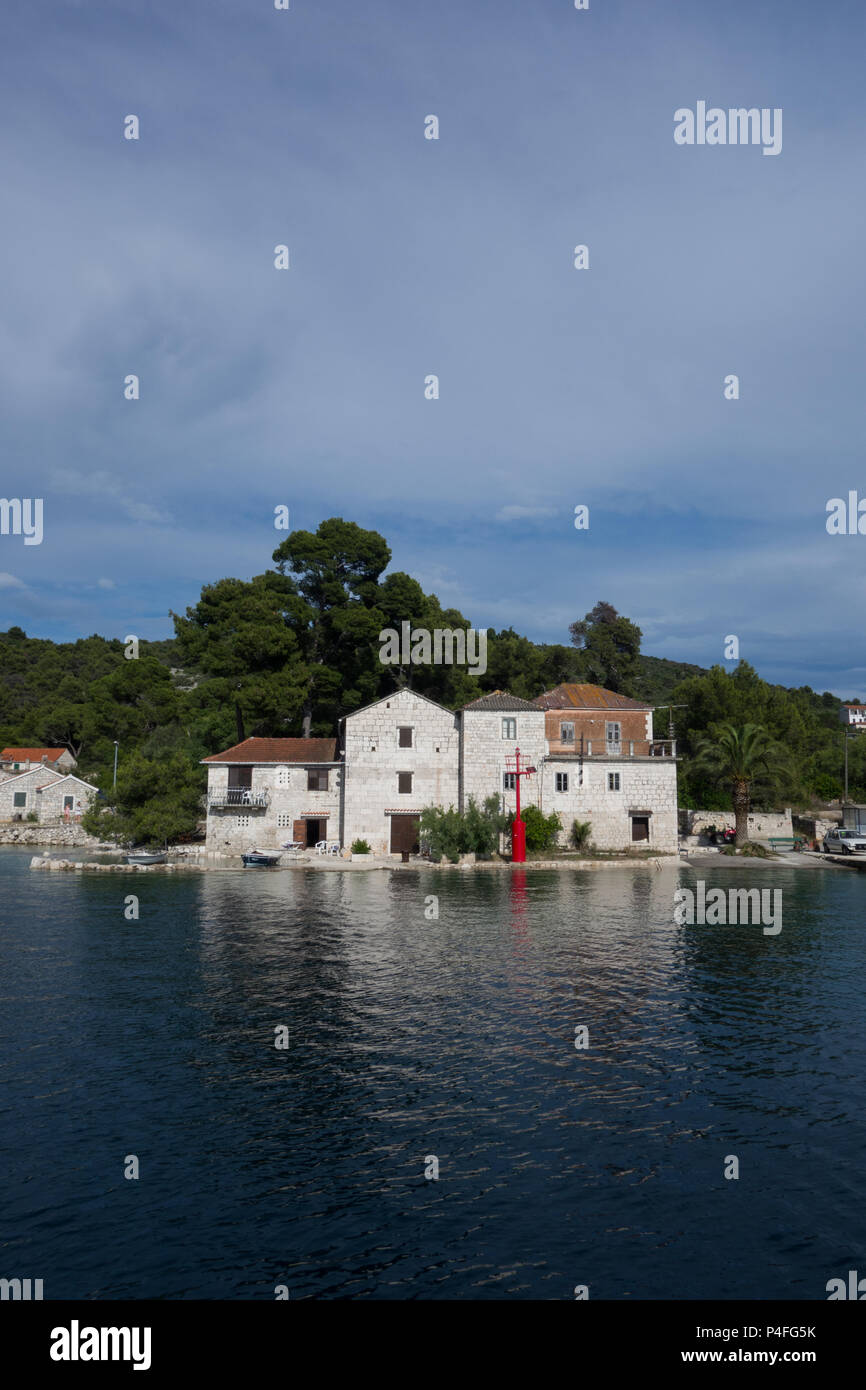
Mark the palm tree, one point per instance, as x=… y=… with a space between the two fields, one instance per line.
x=740 y=756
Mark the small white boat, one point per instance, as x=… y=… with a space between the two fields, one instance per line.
x=262 y=856
x=147 y=856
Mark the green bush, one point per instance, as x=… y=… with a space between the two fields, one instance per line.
x=541 y=830
x=32 y=817
x=360 y=847
x=452 y=833
x=580 y=833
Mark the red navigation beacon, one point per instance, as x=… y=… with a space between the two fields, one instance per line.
x=518 y=829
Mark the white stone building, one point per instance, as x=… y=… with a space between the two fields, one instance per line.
x=46 y=794
x=400 y=754
x=265 y=791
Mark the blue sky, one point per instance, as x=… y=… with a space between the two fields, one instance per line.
x=453 y=257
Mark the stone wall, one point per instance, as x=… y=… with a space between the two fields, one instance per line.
x=373 y=759
x=646 y=786
x=484 y=751
x=762 y=824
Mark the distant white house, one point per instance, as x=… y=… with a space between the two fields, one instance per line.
x=46 y=794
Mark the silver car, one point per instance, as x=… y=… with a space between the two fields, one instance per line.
x=841 y=841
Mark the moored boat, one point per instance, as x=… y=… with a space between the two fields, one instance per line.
x=147 y=856
x=262 y=856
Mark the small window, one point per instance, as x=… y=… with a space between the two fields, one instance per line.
x=282 y=776
x=562 y=781
x=613 y=781
x=405 y=739
x=566 y=733
x=404 y=782
x=317 y=781
x=509 y=728
x=243 y=822
x=284 y=820
x=68 y=802
x=509 y=781
x=19 y=798
x=613 y=734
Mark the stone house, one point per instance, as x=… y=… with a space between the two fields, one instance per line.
x=603 y=765
x=45 y=793
x=265 y=791
x=493 y=728
x=401 y=753
x=23 y=759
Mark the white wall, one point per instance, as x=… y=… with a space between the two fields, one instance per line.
x=373 y=758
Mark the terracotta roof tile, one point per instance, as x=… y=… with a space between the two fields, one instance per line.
x=570 y=696
x=279 y=750
x=31 y=755
x=501 y=700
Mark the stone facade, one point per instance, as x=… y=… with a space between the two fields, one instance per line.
x=377 y=767
x=44 y=793
x=630 y=802
x=494 y=727
x=405 y=752
x=257 y=804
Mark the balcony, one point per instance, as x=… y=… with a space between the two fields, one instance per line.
x=244 y=798
x=628 y=748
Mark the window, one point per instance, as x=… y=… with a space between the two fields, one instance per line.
x=562 y=781
x=566 y=733
x=404 y=782
x=282 y=776
x=509 y=781
x=613 y=735
x=317 y=781
x=243 y=821
x=405 y=736
x=509 y=728
x=284 y=820
x=613 y=781
x=68 y=802
x=19 y=799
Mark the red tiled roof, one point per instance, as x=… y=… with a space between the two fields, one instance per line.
x=586 y=697
x=279 y=750
x=31 y=755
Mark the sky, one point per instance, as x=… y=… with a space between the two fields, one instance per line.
x=411 y=257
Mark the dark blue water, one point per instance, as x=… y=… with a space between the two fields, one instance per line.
x=412 y=1037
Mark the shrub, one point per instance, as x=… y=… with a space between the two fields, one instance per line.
x=31 y=816
x=360 y=847
x=452 y=833
x=580 y=833
x=541 y=830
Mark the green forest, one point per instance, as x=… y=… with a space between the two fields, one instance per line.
x=294 y=649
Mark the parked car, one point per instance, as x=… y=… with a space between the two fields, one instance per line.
x=841 y=841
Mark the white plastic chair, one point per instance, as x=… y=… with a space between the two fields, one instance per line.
x=321 y=846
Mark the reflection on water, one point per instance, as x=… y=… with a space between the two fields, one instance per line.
x=452 y=1037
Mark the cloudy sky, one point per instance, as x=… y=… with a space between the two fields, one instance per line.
x=412 y=257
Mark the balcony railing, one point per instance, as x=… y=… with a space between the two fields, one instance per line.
x=243 y=797
x=628 y=748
